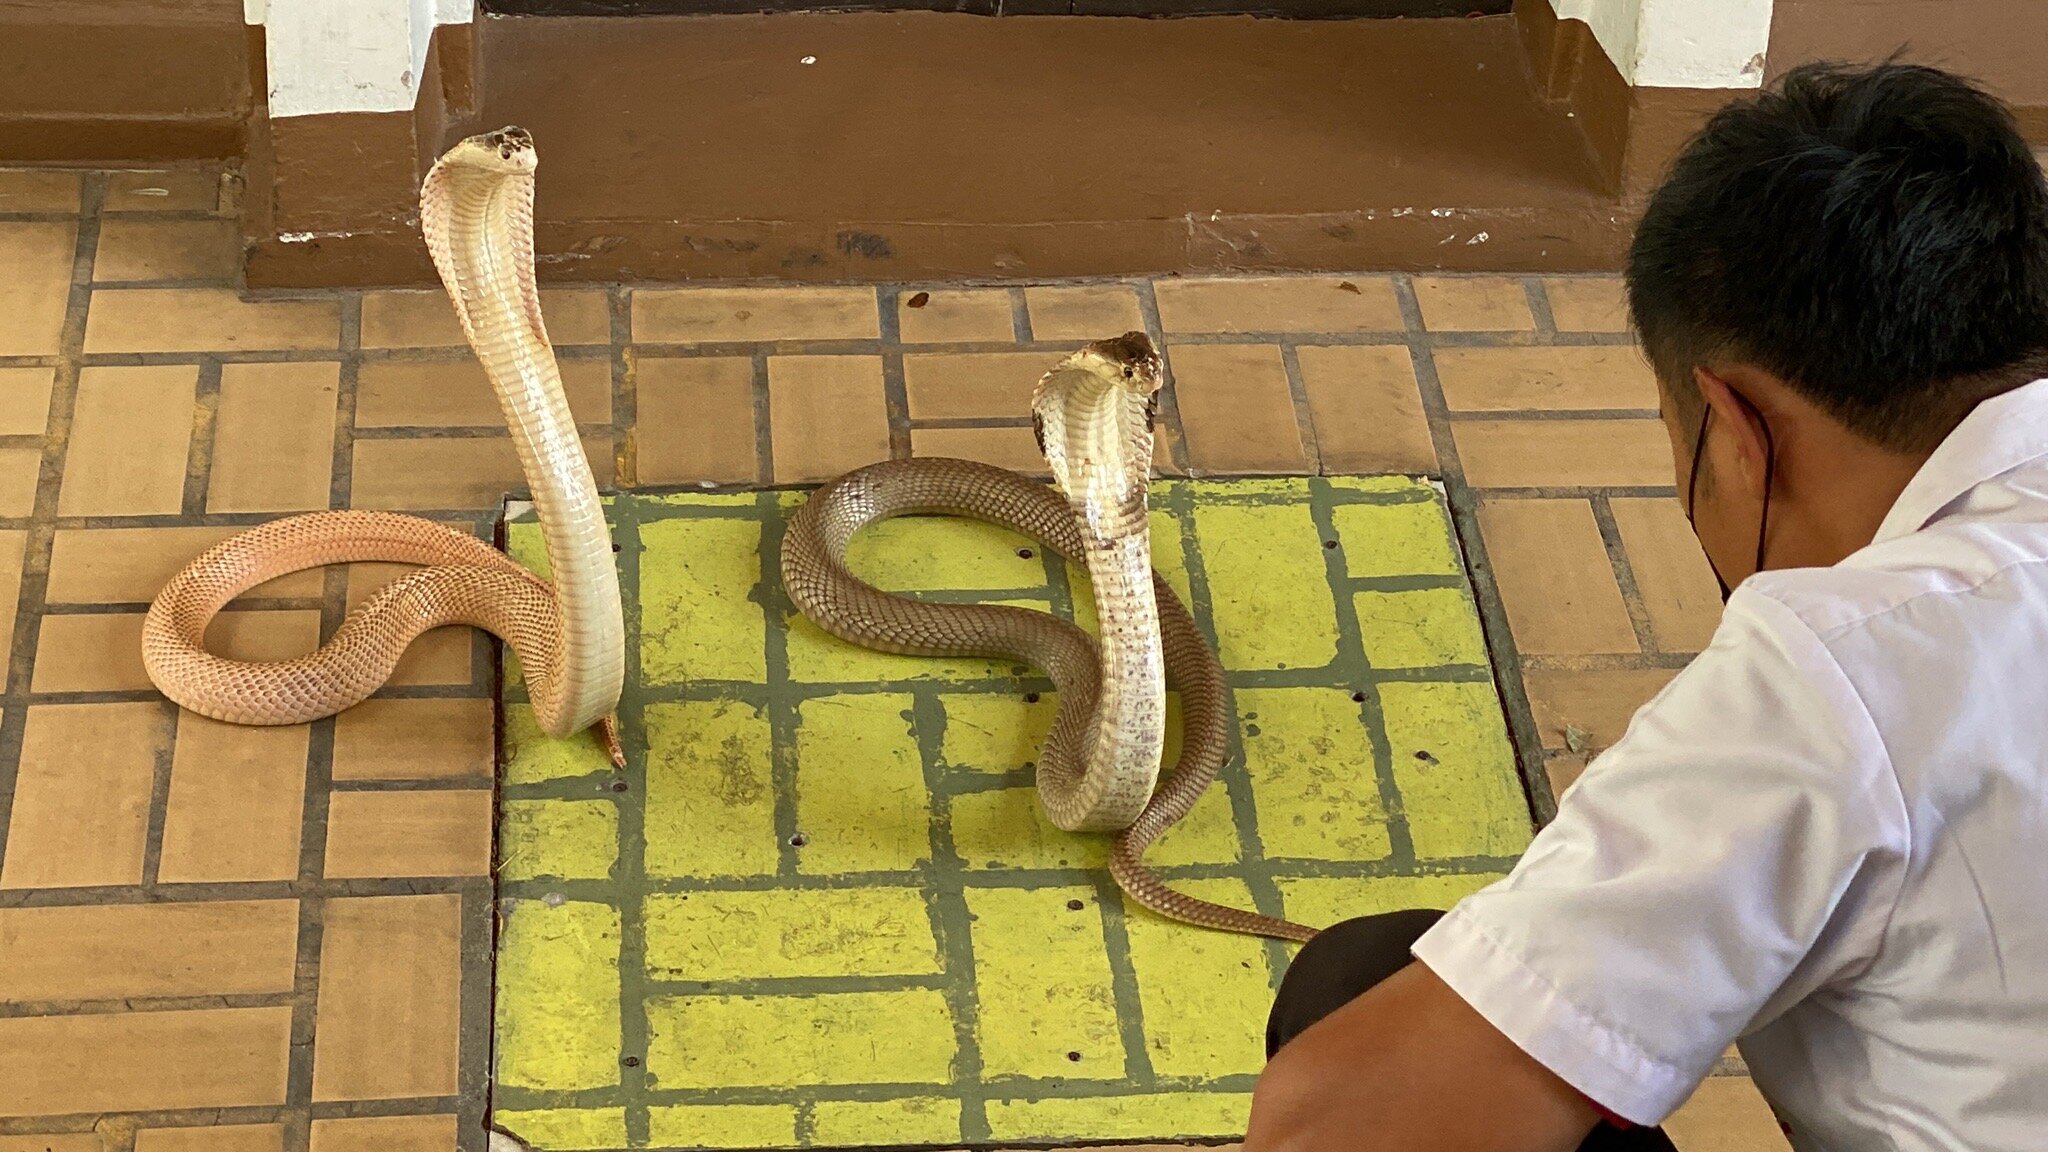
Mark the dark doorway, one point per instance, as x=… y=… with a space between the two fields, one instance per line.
x=1292 y=9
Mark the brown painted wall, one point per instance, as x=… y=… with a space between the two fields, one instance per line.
x=118 y=80
x=2003 y=43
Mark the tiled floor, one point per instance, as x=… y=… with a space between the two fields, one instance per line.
x=220 y=939
x=815 y=847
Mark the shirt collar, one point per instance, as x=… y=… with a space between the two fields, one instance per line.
x=2000 y=434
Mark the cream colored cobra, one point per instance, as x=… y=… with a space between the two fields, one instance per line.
x=1101 y=762
x=476 y=209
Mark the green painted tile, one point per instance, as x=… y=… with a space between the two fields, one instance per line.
x=1205 y=994
x=1425 y=628
x=1007 y=828
x=710 y=790
x=568 y=1129
x=700 y=616
x=1310 y=759
x=1322 y=901
x=986 y=732
x=873 y=818
x=818 y=658
x=1044 y=985
x=818 y=932
x=1268 y=587
x=799 y=1040
x=530 y=757
x=558 y=996
x=924 y=552
x=722 y=1126
x=557 y=839
x=909 y=1120
x=1396 y=539
x=1455 y=770
x=1166 y=1115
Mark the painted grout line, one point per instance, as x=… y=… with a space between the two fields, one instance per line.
x=1539 y=307
x=951 y=919
x=625 y=389
x=1304 y=417
x=32 y=594
x=1624 y=574
x=1169 y=402
x=1020 y=316
x=1464 y=502
x=764 y=423
x=895 y=391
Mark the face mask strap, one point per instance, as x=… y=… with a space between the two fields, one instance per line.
x=1692 y=489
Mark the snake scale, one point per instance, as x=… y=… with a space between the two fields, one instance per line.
x=476 y=210
x=1093 y=413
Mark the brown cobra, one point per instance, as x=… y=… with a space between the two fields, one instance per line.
x=476 y=210
x=1099 y=765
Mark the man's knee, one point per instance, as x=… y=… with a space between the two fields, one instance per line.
x=1340 y=965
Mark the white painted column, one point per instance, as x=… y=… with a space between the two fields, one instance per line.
x=1679 y=43
x=348 y=55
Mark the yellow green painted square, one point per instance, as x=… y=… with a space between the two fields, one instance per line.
x=822 y=908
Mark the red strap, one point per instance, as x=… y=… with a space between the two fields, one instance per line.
x=1609 y=1118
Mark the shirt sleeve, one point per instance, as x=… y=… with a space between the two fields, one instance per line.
x=1732 y=853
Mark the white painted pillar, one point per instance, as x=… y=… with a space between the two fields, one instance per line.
x=1679 y=43
x=348 y=55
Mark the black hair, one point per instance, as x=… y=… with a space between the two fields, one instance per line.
x=1877 y=237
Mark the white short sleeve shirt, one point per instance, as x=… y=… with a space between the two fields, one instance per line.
x=1826 y=840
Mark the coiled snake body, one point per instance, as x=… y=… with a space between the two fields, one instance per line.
x=476 y=210
x=1097 y=770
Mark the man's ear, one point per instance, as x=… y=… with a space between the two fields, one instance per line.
x=1741 y=420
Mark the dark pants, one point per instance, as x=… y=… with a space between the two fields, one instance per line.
x=1341 y=963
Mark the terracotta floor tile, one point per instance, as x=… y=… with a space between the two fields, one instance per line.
x=1473 y=304
x=696 y=315
x=169 y=190
x=1083 y=311
x=1279 y=304
x=273 y=441
x=114 y=1062
x=953 y=315
x=1555 y=580
x=264 y=636
x=1598 y=704
x=54 y=1142
x=12 y=545
x=390 y=995
x=1677 y=586
x=384 y=1134
x=379 y=834
x=25 y=400
x=1506 y=379
x=1564 y=453
x=1237 y=410
x=425 y=319
x=1588 y=303
x=1012 y=448
x=207 y=320
x=21 y=470
x=131 y=565
x=1727 y=1114
x=131 y=435
x=1366 y=409
x=973 y=384
x=456 y=393
x=414 y=740
x=38 y=190
x=144 y=249
x=220 y=1138
x=471 y=472
x=237 y=796
x=1562 y=770
x=694 y=420
x=81 y=820
x=117 y=951
x=826 y=415
x=90 y=653
x=37 y=288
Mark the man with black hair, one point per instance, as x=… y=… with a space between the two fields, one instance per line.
x=1827 y=839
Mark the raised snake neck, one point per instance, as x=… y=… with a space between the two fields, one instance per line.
x=1093 y=416
x=476 y=210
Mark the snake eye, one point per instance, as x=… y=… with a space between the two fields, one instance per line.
x=1129 y=371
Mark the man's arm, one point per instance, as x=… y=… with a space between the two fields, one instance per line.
x=1410 y=1067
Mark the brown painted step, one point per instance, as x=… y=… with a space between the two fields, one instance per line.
x=896 y=146
x=1294 y=9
